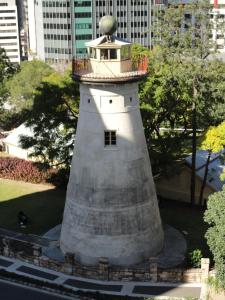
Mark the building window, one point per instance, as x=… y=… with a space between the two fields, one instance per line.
x=108 y=54
x=110 y=138
x=93 y=52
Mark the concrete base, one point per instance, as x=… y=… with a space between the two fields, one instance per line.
x=172 y=255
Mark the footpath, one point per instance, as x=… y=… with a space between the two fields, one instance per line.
x=135 y=289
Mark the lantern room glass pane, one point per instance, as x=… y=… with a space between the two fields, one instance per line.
x=104 y=54
x=112 y=54
x=125 y=52
x=92 y=52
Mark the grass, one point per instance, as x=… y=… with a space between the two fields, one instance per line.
x=189 y=220
x=42 y=204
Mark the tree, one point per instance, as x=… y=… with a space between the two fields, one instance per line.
x=19 y=92
x=22 y=85
x=53 y=118
x=214 y=216
x=183 y=86
x=213 y=141
x=7 y=69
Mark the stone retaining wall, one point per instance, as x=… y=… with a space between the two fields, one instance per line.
x=32 y=253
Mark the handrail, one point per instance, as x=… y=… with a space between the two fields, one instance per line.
x=82 y=66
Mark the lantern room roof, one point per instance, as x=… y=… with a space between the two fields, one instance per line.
x=104 y=42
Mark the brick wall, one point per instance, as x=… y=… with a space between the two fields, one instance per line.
x=32 y=253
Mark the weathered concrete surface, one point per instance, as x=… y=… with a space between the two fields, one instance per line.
x=111 y=207
x=174 y=250
x=172 y=254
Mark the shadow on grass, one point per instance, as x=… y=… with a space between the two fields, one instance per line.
x=189 y=220
x=44 y=210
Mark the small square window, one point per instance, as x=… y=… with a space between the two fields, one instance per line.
x=110 y=138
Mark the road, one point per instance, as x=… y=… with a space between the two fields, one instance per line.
x=10 y=291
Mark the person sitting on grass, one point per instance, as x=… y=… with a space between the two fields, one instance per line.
x=22 y=219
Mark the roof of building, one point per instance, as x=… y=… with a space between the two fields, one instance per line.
x=14 y=137
x=104 y=40
x=216 y=167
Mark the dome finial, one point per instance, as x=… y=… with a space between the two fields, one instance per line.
x=108 y=25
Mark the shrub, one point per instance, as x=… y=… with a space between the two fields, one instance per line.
x=20 y=169
x=59 y=178
x=194 y=258
x=214 y=216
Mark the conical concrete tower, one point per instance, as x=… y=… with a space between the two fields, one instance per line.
x=111 y=207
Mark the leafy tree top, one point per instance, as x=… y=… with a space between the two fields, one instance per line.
x=23 y=85
x=214 y=138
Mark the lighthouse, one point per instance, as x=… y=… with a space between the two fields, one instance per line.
x=111 y=207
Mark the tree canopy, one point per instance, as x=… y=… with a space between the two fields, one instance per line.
x=184 y=90
x=19 y=91
x=214 y=216
x=22 y=86
x=7 y=69
x=53 y=119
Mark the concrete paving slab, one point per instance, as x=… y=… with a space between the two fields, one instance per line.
x=5 y=263
x=160 y=290
x=93 y=286
x=35 y=239
x=38 y=273
x=169 y=291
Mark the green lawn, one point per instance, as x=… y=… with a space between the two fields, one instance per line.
x=44 y=206
x=185 y=218
x=42 y=203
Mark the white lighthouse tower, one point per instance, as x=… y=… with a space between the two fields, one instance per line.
x=111 y=207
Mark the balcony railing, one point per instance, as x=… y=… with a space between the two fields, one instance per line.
x=82 y=69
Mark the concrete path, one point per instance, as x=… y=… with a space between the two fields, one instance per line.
x=156 y=290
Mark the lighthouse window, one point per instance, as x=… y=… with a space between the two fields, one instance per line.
x=108 y=54
x=113 y=54
x=104 y=53
x=110 y=101
x=92 y=52
x=110 y=138
x=125 y=53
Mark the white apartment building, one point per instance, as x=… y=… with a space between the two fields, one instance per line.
x=9 y=34
x=218 y=18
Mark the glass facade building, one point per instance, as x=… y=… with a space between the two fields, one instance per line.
x=82 y=25
x=63 y=27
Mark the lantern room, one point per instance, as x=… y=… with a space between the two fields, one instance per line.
x=109 y=56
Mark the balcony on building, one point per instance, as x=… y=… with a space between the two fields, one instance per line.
x=109 y=60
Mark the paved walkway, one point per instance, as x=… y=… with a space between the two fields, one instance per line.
x=157 y=290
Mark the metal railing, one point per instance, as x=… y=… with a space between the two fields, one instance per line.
x=82 y=66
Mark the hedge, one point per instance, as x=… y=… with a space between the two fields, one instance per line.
x=20 y=169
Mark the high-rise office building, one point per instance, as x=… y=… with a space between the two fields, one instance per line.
x=23 y=28
x=9 y=33
x=82 y=24
x=50 y=30
x=61 y=28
